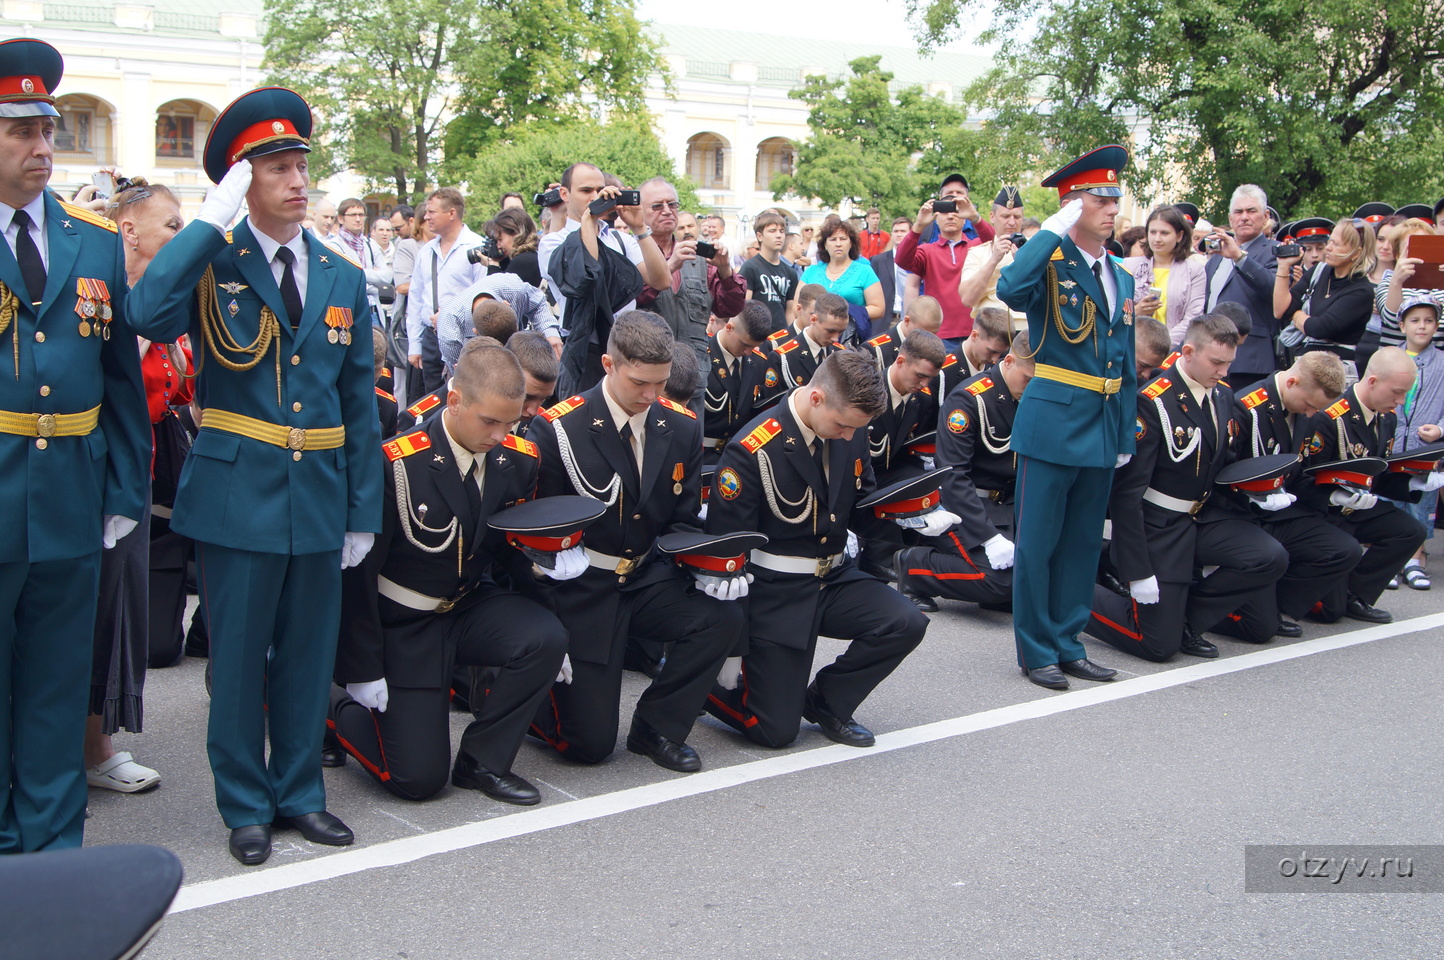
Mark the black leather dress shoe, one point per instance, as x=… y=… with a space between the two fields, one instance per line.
x=507 y=787
x=1195 y=646
x=847 y=732
x=1359 y=610
x=876 y=568
x=332 y=755
x=1112 y=584
x=1288 y=629
x=251 y=845
x=664 y=753
x=318 y=827
x=925 y=604
x=1086 y=669
x=1049 y=676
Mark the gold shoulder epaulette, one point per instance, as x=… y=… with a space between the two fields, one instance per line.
x=754 y=440
x=949 y=361
x=520 y=444
x=230 y=237
x=1057 y=254
x=566 y=406
x=977 y=387
x=424 y=406
x=405 y=446
x=879 y=340
x=80 y=213
x=787 y=347
x=1157 y=387
x=384 y=395
x=1339 y=408
x=1169 y=361
x=1255 y=398
x=676 y=407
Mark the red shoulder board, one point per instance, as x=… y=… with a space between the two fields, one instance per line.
x=758 y=351
x=787 y=347
x=566 y=406
x=926 y=391
x=1156 y=387
x=1254 y=399
x=676 y=407
x=1169 y=360
x=1340 y=407
x=949 y=361
x=754 y=440
x=984 y=384
x=406 y=445
x=384 y=395
x=385 y=371
x=879 y=340
x=520 y=444
x=779 y=334
x=424 y=406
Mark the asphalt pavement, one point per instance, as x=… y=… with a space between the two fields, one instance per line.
x=993 y=819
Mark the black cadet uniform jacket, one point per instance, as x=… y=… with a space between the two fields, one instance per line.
x=975 y=427
x=1264 y=430
x=733 y=398
x=889 y=432
x=430 y=543
x=1340 y=433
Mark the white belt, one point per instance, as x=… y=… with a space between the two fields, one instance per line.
x=803 y=565
x=158 y=510
x=1190 y=507
x=713 y=443
x=621 y=566
x=407 y=597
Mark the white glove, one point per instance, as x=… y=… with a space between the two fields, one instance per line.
x=1000 y=552
x=1427 y=484
x=570 y=564
x=723 y=588
x=565 y=674
x=1122 y=460
x=702 y=514
x=1274 y=501
x=852 y=545
x=1357 y=499
x=114 y=529
x=372 y=694
x=355 y=548
x=730 y=674
x=1144 y=591
x=1062 y=221
x=934 y=523
x=223 y=203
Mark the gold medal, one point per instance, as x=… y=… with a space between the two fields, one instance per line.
x=333 y=336
x=676 y=489
x=84 y=329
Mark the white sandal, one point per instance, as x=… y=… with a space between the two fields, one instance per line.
x=122 y=774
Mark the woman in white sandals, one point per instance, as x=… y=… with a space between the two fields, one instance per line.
x=147 y=217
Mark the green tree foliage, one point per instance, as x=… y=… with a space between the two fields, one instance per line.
x=863 y=139
x=537 y=154
x=1325 y=104
x=382 y=74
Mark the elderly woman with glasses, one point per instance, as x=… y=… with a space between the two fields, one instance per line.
x=1331 y=304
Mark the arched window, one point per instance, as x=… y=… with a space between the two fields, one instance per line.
x=709 y=159
x=83 y=129
x=775 y=156
x=181 y=127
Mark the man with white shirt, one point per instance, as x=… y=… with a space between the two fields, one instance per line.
x=442 y=270
x=453 y=324
x=350 y=240
x=978 y=284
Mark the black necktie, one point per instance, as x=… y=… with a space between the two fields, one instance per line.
x=27 y=254
x=626 y=435
x=473 y=492
x=1098 y=274
x=1210 y=424
x=819 y=458
x=290 y=293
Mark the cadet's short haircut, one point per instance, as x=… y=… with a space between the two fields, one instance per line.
x=378 y=349
x=1387 y=360
x=925 y=312
x=536 y=355
x=640 y=336
x=1238 y=313
x=768 y=220
x=1150 y=339
x=451 y=197
x=994 y=323
x=681 y=386
x=1322 y=370
x=477 y=343
x=492 y=318
x=1211 y=328
x=1023 y=354
x=848 y=378
x=920 y=345
x=755 y=320
x=566 y=180
x=830 y=304
x=807 y=293
x=488 y=369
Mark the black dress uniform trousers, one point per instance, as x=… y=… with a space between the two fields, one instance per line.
x=1393 y=537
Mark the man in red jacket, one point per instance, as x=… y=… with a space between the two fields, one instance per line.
x=939 y=263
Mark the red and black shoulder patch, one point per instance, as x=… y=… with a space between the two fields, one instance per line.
x=520 y=444
x=786 y=347
x=980 y=386
x=676 y=407
x=1252 y=400
x=1156 y=388
x=1338 y=409
x=563 y=408
x=384 y=395
x=949 y=361
x=766 y=431
x=425 y=405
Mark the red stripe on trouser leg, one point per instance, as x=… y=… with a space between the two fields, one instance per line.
x=1121 y=629
x=377 y=772
x=557 y=745
x=747 y=720
x=962 y=552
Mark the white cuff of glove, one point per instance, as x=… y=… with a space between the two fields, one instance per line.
x=1000 y=552
x=1063 y=221
x=564 y=675
x=1144 y=591
x=723 y=588
x=114 y=529
x=1353 y=499
x=355 y=547
x=223 y=203
x=1122 y=460
x=932 y=524
x=569 y=564
x=373 y=694
x=852 y=545
x=730 y=674
x=1427 y=484
x=1274 y=501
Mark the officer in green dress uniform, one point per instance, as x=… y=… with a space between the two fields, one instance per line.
x=75 y=444
x=1075 y=420
x=283 y=485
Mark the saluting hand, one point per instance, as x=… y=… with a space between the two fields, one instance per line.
x=1062 y=221
x=224 y=202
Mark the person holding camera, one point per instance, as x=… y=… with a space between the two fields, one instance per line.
x=1242 y=273
x=978 y=283
x=1331 y=304
x=516 y=241
x=442 y=270
x=1172 y=285
x=939 y=264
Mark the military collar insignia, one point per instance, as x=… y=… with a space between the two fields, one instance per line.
x=233 y=287
x=242 y=251
x=597 y=423
x=323 y=258
x=438 y=458
x=65 y=224
x=1068 y=284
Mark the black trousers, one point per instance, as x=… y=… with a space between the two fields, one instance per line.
x=580 y=718
x=1321 y=557
x=884 y=627
x=945 y=568
x=1392 y=537
x=408 y=748
x=433 y=371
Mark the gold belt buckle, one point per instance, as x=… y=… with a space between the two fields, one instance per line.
x=296 y=438
x=1112 y=386
x=445 y=606
x=824 y=566
x=45 y=425
x=625 y=567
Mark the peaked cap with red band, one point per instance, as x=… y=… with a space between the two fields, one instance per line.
x=1312 y=230
x=266 y=120
x=30 y=70
x=1095 y=172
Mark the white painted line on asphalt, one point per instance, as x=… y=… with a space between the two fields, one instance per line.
x=406 y=850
